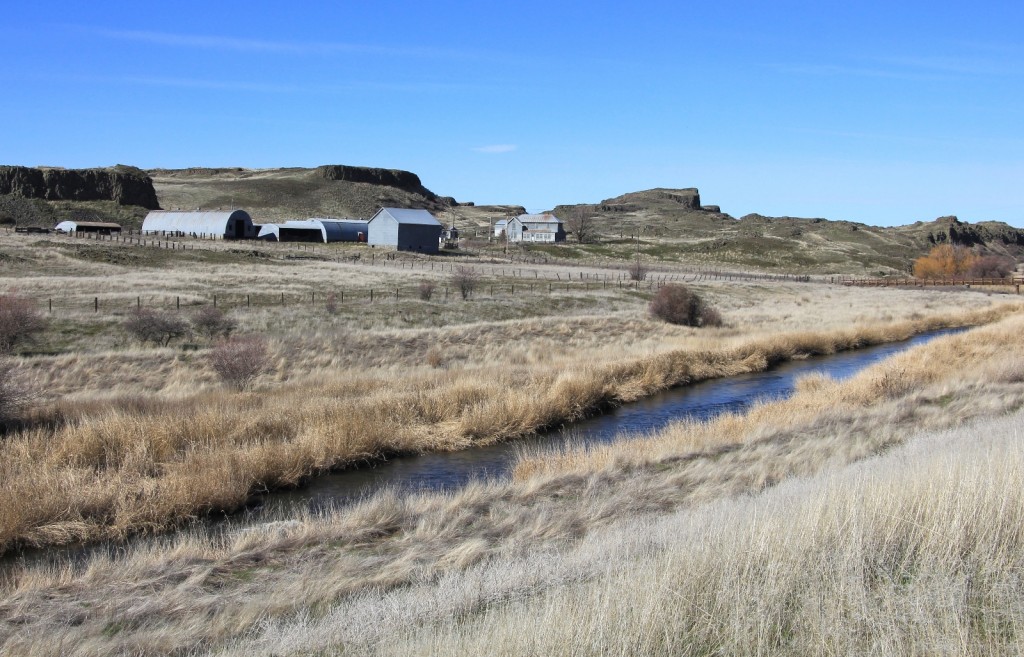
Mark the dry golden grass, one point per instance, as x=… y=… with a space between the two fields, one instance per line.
x=109 y=471
x=439 y=574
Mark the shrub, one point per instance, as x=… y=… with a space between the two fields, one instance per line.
x=211 y=322
x=945 y=261
x=465 y=281
x=158 y=327
x=20 y=321
x=677 y=304
x=637 y=271
x=992 y=266
x=15 y=393
x=239 y=360
x=426 y=290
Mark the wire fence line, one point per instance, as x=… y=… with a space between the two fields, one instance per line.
x=328 y=301
x=384 y=258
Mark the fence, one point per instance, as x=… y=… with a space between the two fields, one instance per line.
x=1014 y=282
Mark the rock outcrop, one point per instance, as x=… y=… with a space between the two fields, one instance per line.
x=122 y=184
x=404 y=180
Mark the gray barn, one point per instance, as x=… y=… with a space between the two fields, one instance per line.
x=315 y=230
x=405 y=230
x=234 y=224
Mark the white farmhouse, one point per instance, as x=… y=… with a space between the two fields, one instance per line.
x=535 y=228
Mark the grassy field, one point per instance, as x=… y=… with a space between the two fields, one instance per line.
x=128 y=439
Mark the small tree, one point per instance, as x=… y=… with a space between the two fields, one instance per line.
x=20 y=321
x=240 y=359
x=465 y=281
x=637 y=271
x=678 y=304
x=580 y=222
x=158 y=327
x=426 y=290
x=211 y=322
x=945 y=261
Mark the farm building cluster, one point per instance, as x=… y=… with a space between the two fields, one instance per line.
x=398 y=228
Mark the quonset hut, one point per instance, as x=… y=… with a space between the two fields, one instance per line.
x=315 y=230
x=101 y=227
x=405 y=230
x=233 y=225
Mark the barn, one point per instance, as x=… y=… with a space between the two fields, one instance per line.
x=405 y=230
x=315 y=230
x=101 y=227
x=233 y=224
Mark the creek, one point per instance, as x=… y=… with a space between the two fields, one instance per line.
x=700 y=401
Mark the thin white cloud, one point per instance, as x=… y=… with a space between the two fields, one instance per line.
x=217 y=42
x=496 y=148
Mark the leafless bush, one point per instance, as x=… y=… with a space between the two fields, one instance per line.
x=239 y=360
x=427 y=290
x=435 y=357
x=678 y=304
x=637 y=271
x=156 y=326
x=20 y=321
x=331 y=305
x=465 y=281
x=211 y=322
x=15 y=392
x=991 y=266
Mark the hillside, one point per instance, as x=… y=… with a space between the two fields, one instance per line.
x=663 y=225
x=674 y=226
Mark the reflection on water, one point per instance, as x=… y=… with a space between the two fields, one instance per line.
x=699 y=401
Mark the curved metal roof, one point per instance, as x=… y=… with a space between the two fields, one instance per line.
x=200 y=223
x=331 y=230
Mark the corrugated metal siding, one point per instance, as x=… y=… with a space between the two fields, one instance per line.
x=382 y=230
x=237 y=224
x=419 y=237
x=344 y=231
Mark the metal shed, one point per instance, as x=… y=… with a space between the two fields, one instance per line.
x=405 y=230
x=234 y=224
x=101 y=227
x=315 y=230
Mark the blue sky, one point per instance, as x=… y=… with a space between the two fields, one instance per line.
x=885 y=113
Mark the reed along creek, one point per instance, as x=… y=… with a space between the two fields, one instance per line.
x=699 y=401
x=451 y=470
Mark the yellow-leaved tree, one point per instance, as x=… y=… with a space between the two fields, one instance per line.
x=945 y=261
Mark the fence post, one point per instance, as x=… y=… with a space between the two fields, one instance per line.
x=248 y=303
x=51 y=305
x=371 y=295
x=177 y=303
x=138 y=302
x=95 y=304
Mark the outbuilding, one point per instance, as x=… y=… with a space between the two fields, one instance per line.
x=315 y=230
x=535 y=228
x=405 y=230
x=234 y=224
x=101 y=227
x=499 y=227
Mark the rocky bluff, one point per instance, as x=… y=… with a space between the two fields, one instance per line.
x=405 y=180
x=122 y=184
